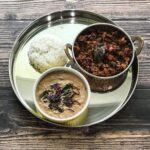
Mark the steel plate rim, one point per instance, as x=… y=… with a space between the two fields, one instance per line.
x=10 y=70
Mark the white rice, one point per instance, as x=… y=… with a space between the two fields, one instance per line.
x=47 y=52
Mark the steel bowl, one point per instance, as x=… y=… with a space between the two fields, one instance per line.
x=99 y=83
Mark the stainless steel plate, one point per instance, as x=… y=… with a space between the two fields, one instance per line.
x=65 y=24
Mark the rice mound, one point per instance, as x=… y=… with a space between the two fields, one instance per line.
x=47 y=52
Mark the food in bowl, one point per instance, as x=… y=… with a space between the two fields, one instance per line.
x=62 y=94
x=102 y=51
x=47 y=52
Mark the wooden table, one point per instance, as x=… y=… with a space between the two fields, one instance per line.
x=129 y=129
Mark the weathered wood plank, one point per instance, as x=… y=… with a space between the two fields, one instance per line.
x=31 y=9
x=20 y=129
x=130 y=129
x=10 y=29
x=128 y=116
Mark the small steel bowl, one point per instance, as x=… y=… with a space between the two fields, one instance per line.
x=79 y=115
x=104 y=84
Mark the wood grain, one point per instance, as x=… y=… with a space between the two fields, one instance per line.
x=10 y=29
x=134 y=21
x=129 y=129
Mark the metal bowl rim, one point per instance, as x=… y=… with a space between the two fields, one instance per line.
x=109 y=77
